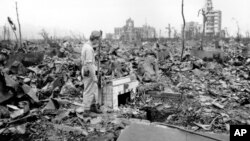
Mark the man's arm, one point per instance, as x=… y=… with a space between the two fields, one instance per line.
x=82 y=60
x=90 y=64
x=86 y=60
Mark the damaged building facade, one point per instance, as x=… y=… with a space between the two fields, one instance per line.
x=213 y=23
x=130 y=33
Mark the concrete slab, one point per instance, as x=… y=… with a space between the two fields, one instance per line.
x=152 y=132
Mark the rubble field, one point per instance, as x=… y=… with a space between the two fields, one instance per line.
x=41 y=89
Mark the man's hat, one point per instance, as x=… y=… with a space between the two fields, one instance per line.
x=96 y=34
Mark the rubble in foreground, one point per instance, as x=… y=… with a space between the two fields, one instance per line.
x=41 y=98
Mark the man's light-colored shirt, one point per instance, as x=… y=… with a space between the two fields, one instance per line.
x=88 y=56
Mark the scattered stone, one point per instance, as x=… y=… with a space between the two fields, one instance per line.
x=96 y=120
x=26 y=80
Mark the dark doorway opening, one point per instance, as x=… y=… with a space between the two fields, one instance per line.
x=124 y=98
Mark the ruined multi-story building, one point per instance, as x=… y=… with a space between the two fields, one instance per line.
x=213 y=22
x=131 y=33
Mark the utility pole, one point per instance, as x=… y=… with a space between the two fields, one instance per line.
x=175 y=34
x=19 y=27
x=204 y=14
x=169 y=28
x=4 y=32
x=8 y=34
x=183 y=29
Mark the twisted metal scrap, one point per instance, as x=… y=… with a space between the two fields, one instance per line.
x=13 y=26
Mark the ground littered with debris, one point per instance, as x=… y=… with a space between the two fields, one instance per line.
x=41 y=90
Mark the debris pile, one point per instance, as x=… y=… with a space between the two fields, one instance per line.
x=41 y=90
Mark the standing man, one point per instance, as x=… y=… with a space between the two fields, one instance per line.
x=89 y=69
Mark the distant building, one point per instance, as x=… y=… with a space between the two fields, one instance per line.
x=109 y=36
x=193 y=30
x=130 y=33
x=213 y=23
x=223 y=33
x=148 y=32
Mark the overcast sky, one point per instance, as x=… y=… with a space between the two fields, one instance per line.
x=62 y=17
